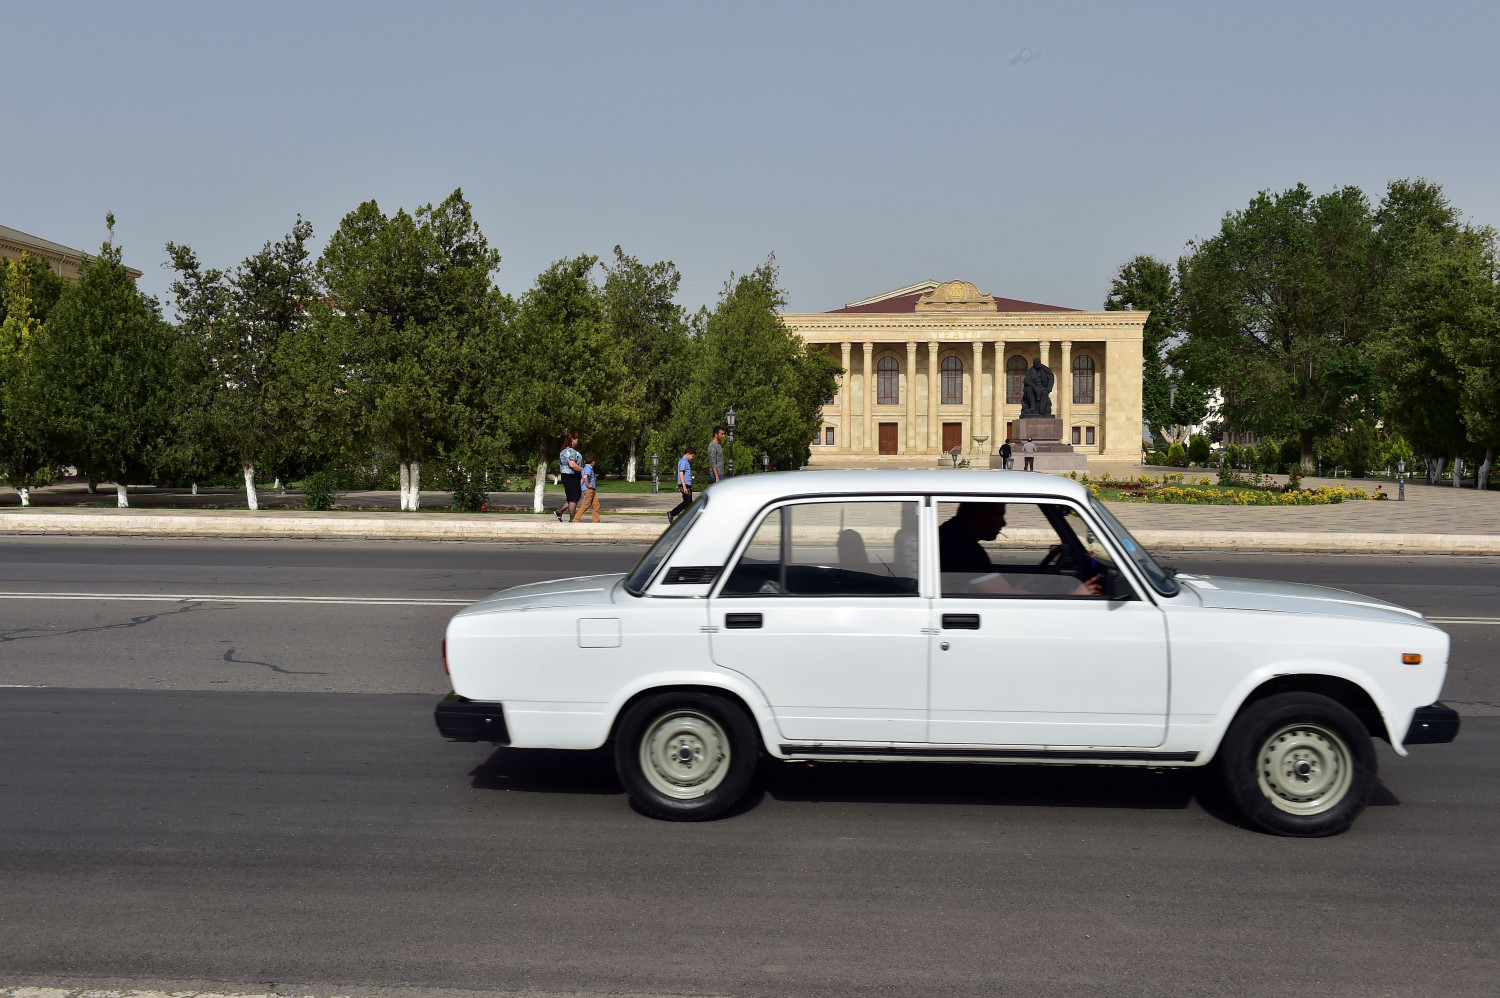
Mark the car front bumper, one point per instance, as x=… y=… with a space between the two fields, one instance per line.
x=460 y=719
x=1432 y=725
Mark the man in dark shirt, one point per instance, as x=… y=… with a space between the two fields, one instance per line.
x=960 y=552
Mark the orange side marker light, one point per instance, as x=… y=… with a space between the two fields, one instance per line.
x=445 y=658
x=1411 y=658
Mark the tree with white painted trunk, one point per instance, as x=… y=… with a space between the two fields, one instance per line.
x=567 y=370
x=235 y=323
x=645 y=319
x=107 y=361
x=403 y=347
x=26 y=460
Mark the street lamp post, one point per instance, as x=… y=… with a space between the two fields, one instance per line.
x=765 y=462
x=1401 y=479
x=655 y=481
x=729 y=421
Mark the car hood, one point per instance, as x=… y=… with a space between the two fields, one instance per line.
x=1290 y=597
x=587 y=590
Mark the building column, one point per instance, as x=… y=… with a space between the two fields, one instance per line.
x=912 y=443
x=976 y=421
x=1065 y=390
x=868 y=444
x=846 y=440
x=997 y=436
x=934 y=392
x=1044 y=348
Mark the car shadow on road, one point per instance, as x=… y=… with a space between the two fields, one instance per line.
x=566 y=772
x=549 y=771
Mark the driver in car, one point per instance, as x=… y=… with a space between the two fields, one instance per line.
x=959 y=550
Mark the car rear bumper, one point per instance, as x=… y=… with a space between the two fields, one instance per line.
x=1432 y=725
x=460 y=719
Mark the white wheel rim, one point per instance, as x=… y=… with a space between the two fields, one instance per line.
x=685 y=754
x=1304 y=769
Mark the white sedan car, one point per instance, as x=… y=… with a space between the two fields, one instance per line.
x=995 y=617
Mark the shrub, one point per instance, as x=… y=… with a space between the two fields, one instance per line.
x=1156 y=457
x=1198 y=451
x=469 y=496
x=320 y=490
x=1360 y=449
x=1177 y=455
x=1269 y=456
x=1291 y=454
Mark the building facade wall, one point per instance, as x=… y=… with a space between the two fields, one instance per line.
x=920 y=343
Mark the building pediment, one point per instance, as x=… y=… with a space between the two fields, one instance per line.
x=956 y=296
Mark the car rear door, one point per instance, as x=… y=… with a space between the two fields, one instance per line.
x=823 y=611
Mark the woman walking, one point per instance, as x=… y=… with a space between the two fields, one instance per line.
x=570 y=464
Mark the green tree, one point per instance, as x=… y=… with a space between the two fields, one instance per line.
x=43 y=286
x=399 y=354
x=104 y=361
x=648 y=324
x=26 y=460
x=234 y=325
x=1427 y=291
x=1278 y=307
x=1145 y=283
x=748 y=358
x=566 y=371
x=1198 y=451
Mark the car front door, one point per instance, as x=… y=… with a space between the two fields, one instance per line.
x=823 y=612
x=1025 y=654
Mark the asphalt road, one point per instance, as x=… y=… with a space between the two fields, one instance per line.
x=172 y=813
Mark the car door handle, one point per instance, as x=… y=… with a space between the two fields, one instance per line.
x=741 y=621
x=961 y=621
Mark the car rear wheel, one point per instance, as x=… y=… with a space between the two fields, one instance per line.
x=686 y=756
x=1298 y=764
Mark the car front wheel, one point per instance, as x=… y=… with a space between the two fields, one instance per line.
x=686 y=756
x=1298 y=764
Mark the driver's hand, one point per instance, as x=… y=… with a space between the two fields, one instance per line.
x=1093 y=587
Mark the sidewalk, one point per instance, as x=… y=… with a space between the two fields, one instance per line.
x=1433 y=520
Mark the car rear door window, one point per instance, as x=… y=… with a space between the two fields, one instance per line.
x=843 y=548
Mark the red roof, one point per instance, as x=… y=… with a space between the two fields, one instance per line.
x=908 y=303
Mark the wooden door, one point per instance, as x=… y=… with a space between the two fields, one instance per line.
x=953 y=436
x=887 y=438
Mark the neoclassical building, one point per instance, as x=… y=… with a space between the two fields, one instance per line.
x=62 y=259
x=939 y=364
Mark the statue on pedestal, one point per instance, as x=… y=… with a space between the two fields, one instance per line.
x=1036 y=390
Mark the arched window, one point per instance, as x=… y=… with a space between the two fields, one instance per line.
x=887 y=381
x=1083 y=380
x=953 y=381
x=1015 y=372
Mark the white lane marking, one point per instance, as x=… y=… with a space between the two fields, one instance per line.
x=25 y=992
x=222 y=598
x=1463 y=620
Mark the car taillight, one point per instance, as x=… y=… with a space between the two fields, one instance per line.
x=445 y=658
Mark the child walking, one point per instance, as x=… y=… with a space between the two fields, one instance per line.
x=590 y=491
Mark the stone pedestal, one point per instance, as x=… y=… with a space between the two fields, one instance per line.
x=1051 y=453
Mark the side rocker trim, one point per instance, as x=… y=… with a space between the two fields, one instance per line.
x=929 y=752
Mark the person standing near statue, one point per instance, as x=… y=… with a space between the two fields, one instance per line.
x=1006 y=461
x=1029 y=450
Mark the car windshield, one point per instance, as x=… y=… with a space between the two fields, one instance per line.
x=640 y=576
x=1161 y=580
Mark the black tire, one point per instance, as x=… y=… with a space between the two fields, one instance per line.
x=686 y=756
x=1298 y=764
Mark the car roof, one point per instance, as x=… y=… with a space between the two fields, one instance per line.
x=732 y=503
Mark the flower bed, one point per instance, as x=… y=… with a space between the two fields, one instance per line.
x=1176 y=488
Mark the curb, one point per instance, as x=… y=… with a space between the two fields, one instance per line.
x=336 y=526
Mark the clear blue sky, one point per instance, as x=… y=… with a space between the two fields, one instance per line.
x=1028 y=148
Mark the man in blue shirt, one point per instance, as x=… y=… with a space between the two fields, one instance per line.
x=684 y=482
x=590 y=491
